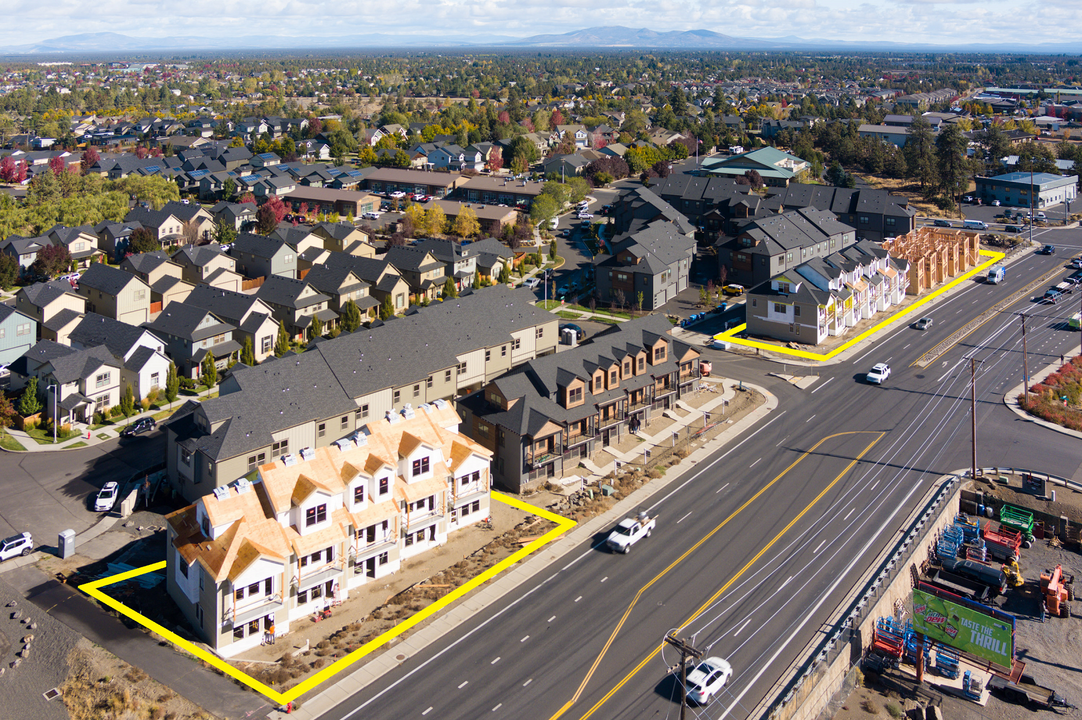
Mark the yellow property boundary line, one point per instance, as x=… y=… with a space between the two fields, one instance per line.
x=728 y=335
x=93 y=589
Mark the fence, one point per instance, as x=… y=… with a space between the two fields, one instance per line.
x=706 y=428
x=246 y=285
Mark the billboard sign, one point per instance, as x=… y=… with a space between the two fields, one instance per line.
x=964 y=628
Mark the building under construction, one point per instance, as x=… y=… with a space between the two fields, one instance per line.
x=935 y=254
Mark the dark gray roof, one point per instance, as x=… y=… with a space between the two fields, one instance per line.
x=7 y=311
x=147 y=262
x=69 y=364
x=118 y=336
x=139 y=358
x=182 y=320
x=406 y=257
x=197 y=255
x=226 y=304
x=62 y=319
x=332 y=278
x=41 y=294
x=108 y=279
x=259 y=245
x=280 y=290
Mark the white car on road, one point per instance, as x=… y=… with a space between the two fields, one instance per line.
x=106 y=497
x=531 y=282
x=878 y=374
x=707 y=679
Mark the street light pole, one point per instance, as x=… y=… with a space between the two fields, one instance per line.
x=53 y=389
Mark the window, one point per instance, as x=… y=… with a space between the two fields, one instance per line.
x=204 y=526
x=462 y=369
x=659 y=354
x=185 y=457
x=383 y=558
x=574 y=395
x=279 y=448
x=516 y=343
x=627 y=368
x=613 y=377
x=417 y=390
x=101 y=380
x=483 y=429
x=302 y=598
x=383 y=484
x=363 y=412
x=864 y=220
x=642 y=364
x=420 y=466
x=796 y=311
x=890 y=222
x=22 y=329
x=358 y=494
x=182 y=565
x=321 y=429
x=315 y=515
x=154 y=380
x=397 y=396
x=254 y=461
x=447 y=376
x=540 y=332
x=266 y=343
x=140 y=294
x=779 y=308
x=488 y=356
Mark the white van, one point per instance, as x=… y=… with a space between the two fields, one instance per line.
x=996 y=274
x=974 y=225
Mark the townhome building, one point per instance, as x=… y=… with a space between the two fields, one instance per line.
x=18 y=333
x=72 y=383
x=826 y=296
x=166 y=227
x=771 y=245
x=342 y=285
x=239 y=215
x=197 y=222
x=81 y=242
x=23 y=249
x=459 y=261
x=424 y=273
x=540 y=419
x=209 y=265
x=190 y=333
x=295 y=303
x=259 y=256
x=253 y=318
x=114 y=293
x=54 y=306
x=386 y=284
x=256 y=557
x=339 y=385
x=139 y=353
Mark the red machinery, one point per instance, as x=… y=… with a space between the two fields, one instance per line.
x=1057 y=589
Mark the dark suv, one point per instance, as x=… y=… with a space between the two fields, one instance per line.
x=141 y=425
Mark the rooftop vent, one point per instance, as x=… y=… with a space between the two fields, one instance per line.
x=307 y=454
x=344 y=444
x=407 y=412
x=392 y=417
x=289 y=459
x=242 y=485
x=221 y=493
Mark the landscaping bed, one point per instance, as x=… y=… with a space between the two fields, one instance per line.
x=1058 y=398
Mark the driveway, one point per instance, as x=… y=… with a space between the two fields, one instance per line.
x=47 y=492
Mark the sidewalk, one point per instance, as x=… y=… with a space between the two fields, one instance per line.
x=95 y=437
x=487 y=595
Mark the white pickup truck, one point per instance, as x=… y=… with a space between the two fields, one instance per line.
x=629 y=532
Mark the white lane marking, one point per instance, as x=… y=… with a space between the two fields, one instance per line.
x=810 y=419
x=823 y=385
x=527 y=682
x=552 y=618
x=787 y=437
x=757 y=461
x=722 y=488
x=819 y=548
x=848 y=513
x=742 y=627
x=681 y=519
x=427 y=711
x=464 y=684
x=604 y=578
x=907 y=346
x=524 y=639
x=701 y=471
x=578 y=598
x=495 y=661
x=497 y=707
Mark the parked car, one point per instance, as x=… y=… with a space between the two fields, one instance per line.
x=585 y=215
x=531 y=282
x=141 y=425
x=566 y=232
x=1012 y=228
x=733 y=289
x=106 y=497
x=995 y=203
x=16 y=545
x=878 y=374
x=707 y=680
x=924 y=323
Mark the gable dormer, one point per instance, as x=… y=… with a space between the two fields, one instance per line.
x=639 y=361
x=416 y=458
x=612 y=377
x=573 y=394
x=659 y=352
x=597 y=381
x=494 y=396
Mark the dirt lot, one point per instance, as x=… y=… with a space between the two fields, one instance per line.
x=1049 y=649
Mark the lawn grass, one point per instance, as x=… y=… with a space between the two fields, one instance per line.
x=45 y=437
x=76 y=445
x=9 y=443
x=568 y=315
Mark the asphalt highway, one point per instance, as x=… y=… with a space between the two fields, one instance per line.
x=758 y=544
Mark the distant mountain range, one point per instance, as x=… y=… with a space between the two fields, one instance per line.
x=597 y=38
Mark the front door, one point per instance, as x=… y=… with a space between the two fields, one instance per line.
x=370 y=567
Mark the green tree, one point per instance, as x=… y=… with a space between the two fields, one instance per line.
x=9 y=270
x=386 y=310
x=142 y=240
x=579 y=188
x=30 y=403
x=209 y=371
x=450 y=290
x=951 y=160
x=172 y=383
x=7 y=412
x=351 y=317
x=543 y=209
x=224 y=232
x=247 y=353
x=229 y=189
x=281 y=343
x=127 y=401
x=552 y=251
x=920 y=159
x=316 y=329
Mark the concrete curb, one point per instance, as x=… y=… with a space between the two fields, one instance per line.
x=90 y=533
x=489 y=594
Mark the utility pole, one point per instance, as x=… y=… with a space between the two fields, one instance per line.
x=973 y=409
x=1025 y=362
x=686 y=651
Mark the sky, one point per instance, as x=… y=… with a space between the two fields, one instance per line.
x=940 y=22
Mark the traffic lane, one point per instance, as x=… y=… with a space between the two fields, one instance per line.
x=573 y=598
x=734 y=584
x=48 y=492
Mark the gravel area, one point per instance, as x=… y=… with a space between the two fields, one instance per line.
x=44 y=667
